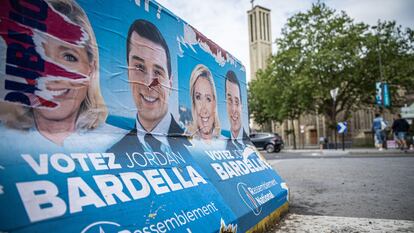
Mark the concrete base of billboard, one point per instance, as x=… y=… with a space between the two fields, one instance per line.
x=269 y=221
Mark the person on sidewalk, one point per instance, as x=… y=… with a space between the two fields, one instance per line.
x=400 y=129
x=378 y=127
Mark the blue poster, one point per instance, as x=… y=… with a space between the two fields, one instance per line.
x=378 y=93
x=121 y=117
x=382 y=97
x=387 y=99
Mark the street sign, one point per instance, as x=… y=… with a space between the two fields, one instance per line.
x=342 y=127
x=334 y=93
x=302 y=129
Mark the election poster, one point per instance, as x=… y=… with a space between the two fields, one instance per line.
x=119 y=116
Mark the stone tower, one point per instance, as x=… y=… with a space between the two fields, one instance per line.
x=260 y=38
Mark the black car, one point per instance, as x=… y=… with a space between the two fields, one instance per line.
x=270 y=142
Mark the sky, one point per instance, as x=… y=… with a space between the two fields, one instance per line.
x=225 y=21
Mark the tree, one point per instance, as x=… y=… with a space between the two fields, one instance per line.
x=276 y=95
x=390 y=58
x=322 y=49
x=256 y=101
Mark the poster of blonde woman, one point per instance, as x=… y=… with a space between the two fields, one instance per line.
x=206 y=123
x=54 y=100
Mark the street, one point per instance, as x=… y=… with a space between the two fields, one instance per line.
x=357 y=185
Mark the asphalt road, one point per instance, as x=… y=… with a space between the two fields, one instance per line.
x=361 y=186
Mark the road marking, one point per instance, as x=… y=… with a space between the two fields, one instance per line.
x=311 y=223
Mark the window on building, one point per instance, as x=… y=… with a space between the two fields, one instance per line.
x=264 y=25
x=254 y=27
x=268 y=27
x=251 y=28
x=260 y=24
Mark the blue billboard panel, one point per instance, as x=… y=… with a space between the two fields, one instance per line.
x=121 y=117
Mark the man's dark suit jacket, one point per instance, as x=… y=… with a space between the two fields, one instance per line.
x=246 y=141
x=130 y=143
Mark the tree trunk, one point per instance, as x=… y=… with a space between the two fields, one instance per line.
x=332 y=124
x=293 y=134
x=301 y=139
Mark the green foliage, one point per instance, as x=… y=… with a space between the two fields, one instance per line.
x=395 y=48
x=322 y=49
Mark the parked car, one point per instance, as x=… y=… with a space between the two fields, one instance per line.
x=270 y=142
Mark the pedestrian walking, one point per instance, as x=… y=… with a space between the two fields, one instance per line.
x=378 y=128
x=400 y=128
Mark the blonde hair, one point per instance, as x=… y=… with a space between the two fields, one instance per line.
x=92 y=110
x=201 y=71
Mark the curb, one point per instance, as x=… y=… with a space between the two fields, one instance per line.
x=270 y=221
x=330 y=224
x=349 y=152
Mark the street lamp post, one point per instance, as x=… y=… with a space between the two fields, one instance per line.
x=381 y=82
x=334 y=93
x=379 y=52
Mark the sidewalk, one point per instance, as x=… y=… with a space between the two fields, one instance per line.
x=331 y=224
x=352 y=151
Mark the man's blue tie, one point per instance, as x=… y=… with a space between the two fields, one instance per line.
x=238 y=145
x=152 y=142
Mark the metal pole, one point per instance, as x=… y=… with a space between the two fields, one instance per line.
x=379 y=54
x=377 y=27
x=318 y=133
x=334 y=123
x=336 y=140
x=343 y=141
